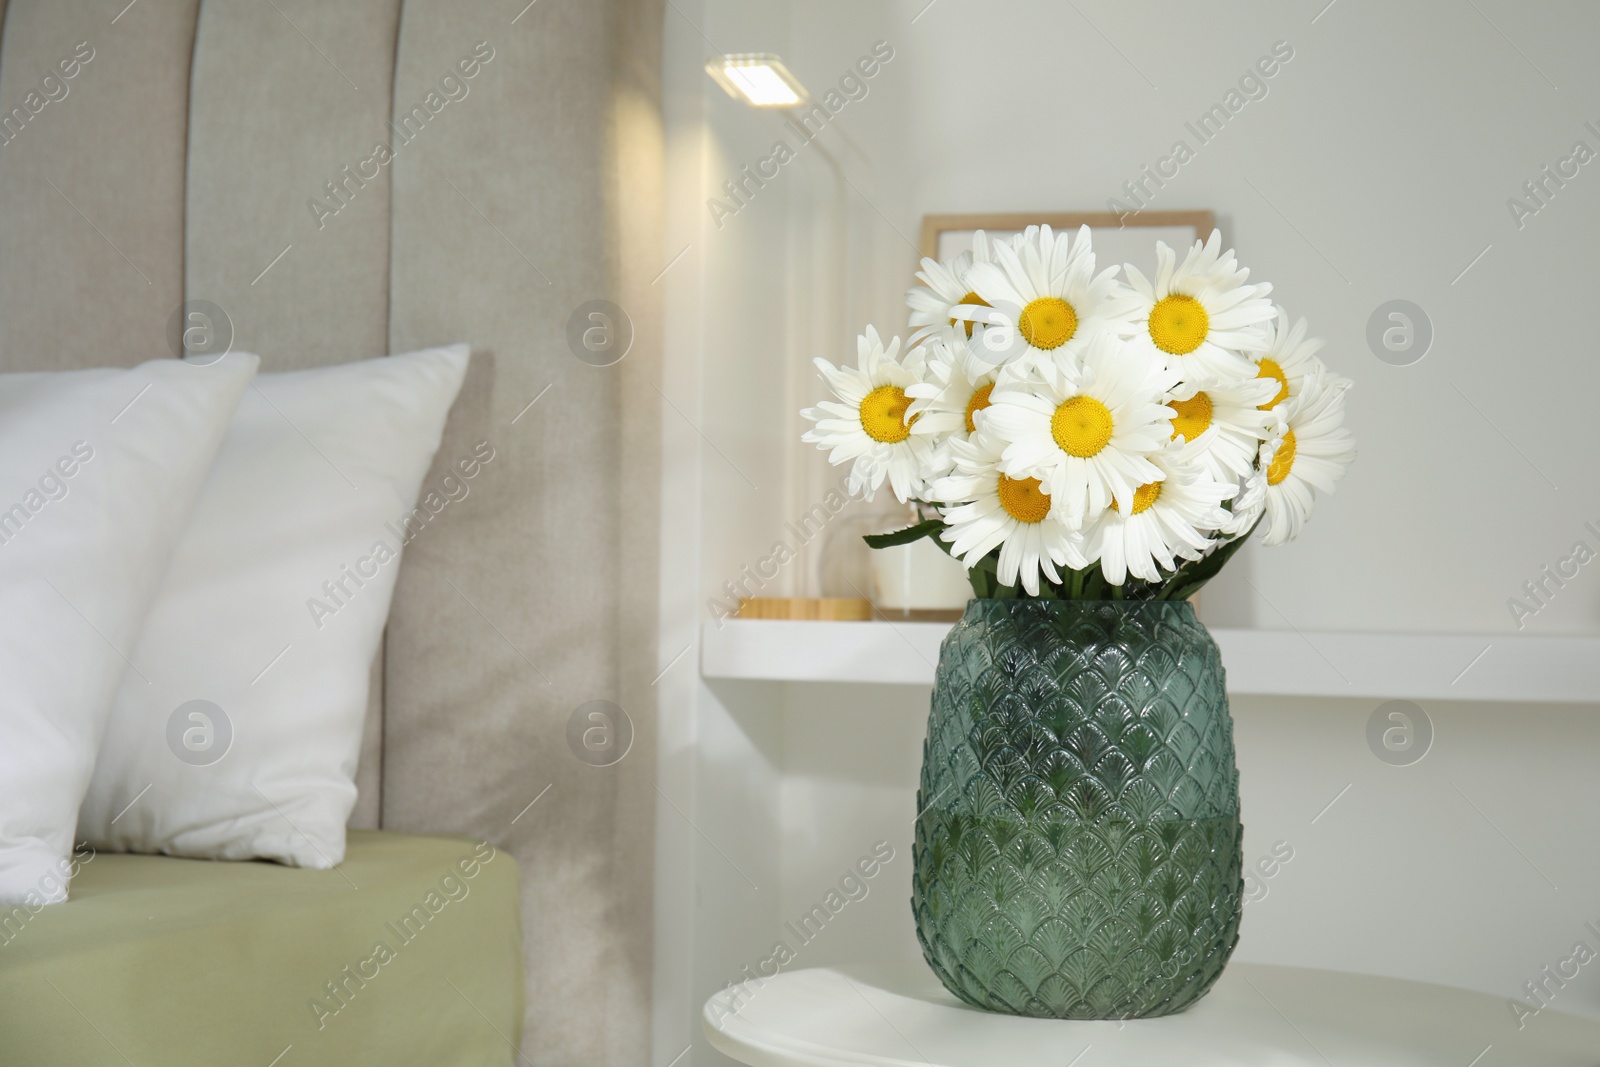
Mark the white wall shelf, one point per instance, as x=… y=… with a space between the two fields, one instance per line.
x=1414 y=666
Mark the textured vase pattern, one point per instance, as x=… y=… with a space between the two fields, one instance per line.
x=1077 y=850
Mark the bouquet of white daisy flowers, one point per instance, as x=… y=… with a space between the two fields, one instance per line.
x=1069 y=434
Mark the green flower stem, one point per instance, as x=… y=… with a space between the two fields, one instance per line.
x=1086 y=584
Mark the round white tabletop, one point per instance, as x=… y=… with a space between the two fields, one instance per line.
x=898 y=1014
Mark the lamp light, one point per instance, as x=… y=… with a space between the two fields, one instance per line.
x=758 y=78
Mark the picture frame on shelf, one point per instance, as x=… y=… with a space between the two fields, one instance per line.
x=1117 y=238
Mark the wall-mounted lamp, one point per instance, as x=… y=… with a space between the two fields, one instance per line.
x=758 y=78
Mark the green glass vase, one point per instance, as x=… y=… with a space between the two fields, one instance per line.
x=1077 y=850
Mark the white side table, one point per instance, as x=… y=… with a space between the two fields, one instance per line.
x=898 y=1014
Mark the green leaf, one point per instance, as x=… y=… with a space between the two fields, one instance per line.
x=916 y=532
x=982 y=576
x=1187 y=579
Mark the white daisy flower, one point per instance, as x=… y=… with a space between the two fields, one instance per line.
x=1169 y=518
x=1013 y=513
x=871 y=429
x=1227 y=420
x=1200 y=316
x=1249 y=504
x=1087 y=435
x=1288 y=358
x=1312 y=455
x=1043 y=290
x=955 y=387
x=944 y=288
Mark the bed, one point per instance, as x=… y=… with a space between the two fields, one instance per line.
x=219 y=157
x=409 y=952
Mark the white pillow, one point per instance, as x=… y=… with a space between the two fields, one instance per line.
x=259 y=646
x=98 y=470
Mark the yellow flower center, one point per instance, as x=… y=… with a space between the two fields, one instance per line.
x=979 y=401
x=1194 y=416
x=1048 y=322
x=1145 y=495
x=1178 y=324
x=1282 y=460
x=1268 y=368
x=1081 y=426
x=883 y=414
x=1022 y=499
x=971 y=298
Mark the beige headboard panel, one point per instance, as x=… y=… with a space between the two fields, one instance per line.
x=272 y=118
x=91 y=186
x=184 y=160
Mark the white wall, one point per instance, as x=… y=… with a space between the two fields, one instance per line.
x=1390 y=144
x=1377 y=167
x=726 y=379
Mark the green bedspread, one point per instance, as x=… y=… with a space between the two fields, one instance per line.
x=409 y=953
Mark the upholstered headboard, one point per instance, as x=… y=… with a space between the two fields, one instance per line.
x=343 y=180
